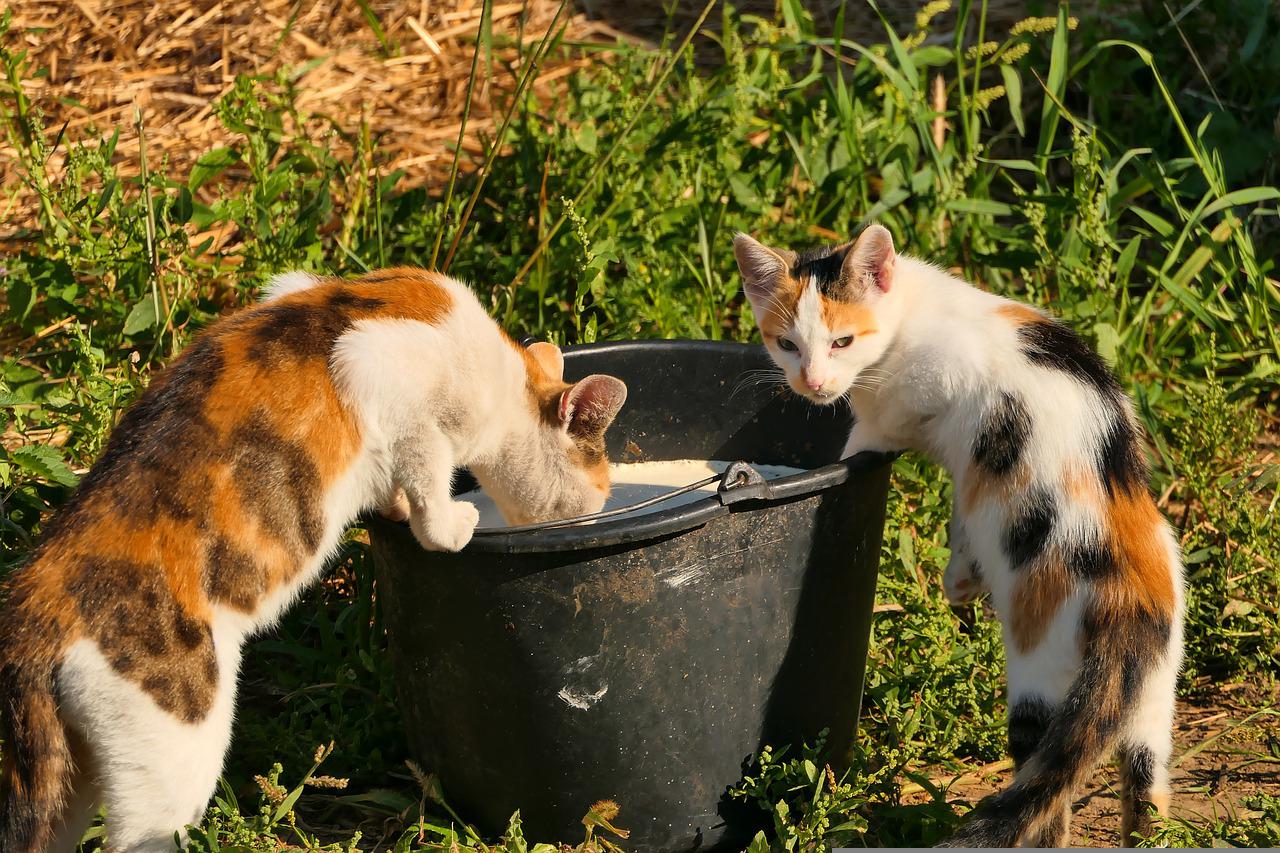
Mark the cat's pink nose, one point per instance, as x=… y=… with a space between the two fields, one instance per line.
x=813 y=384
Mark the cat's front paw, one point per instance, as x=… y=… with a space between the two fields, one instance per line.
x=962 y=581
x=864 y=440
x=448 y=528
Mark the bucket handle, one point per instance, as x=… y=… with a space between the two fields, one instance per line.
x=739 y=482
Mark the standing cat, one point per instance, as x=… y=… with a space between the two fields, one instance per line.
x=1052 y=515
x=222 y=492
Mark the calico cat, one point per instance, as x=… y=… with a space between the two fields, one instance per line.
x=1052 y=514
x=222 y=492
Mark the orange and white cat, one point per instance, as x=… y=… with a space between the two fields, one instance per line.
x=1052 y=513
x=222 y=492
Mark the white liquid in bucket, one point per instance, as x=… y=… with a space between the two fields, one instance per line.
x=637 y=481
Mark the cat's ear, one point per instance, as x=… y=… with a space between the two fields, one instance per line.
x=589 y=407
x=870 y=260
x=549 y=358
x=762 y=268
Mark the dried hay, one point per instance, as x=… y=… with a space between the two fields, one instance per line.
x=172 y=59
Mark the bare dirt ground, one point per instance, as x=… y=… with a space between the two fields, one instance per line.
x=1227 y=748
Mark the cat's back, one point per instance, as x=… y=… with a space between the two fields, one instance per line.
x=211 y=489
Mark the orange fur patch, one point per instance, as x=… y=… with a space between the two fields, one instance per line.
x=1020 y=314
x=979 y=487
x=544 y=390
x=780 y=311
x=842 y=317
x=1038 y=593
x=1144 y=580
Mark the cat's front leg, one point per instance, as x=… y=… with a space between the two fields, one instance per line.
x=444 y=526
x=865 y=436
x=962 y=579
x=425 y=474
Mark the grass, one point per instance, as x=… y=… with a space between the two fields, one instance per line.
x=607 y=213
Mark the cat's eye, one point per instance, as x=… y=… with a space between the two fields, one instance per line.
x=841 y=343
x=787 y=345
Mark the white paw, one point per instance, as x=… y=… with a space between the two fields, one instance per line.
x=397 y=509
x=960 y=583
x=448 y=528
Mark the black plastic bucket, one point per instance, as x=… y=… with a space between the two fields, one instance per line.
x=644 y=659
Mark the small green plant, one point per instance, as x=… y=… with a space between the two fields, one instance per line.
x=808 y=807
x=227 y=828
x=1256 y=825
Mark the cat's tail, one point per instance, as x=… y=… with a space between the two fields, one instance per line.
x=35 y=759
x=1121 y=650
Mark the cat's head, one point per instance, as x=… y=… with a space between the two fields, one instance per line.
x=821 y=311
x=566 y=472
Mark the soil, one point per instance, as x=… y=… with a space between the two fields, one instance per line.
x=1226 y=748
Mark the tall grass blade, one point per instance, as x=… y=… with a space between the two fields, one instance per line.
x=447 y=206
x=672 y=60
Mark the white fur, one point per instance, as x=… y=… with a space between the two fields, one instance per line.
x=428 y=399
x=282 y=284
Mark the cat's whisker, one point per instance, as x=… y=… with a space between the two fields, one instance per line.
x=767 y=377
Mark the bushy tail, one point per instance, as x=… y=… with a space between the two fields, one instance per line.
x=35 y=761
x=1080 y=735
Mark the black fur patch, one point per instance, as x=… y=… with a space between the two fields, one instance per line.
x=346 y=300
x=279 y=484
x=1003 y=434
x=823 y=264
x=1028 y=534
x=1055 y=345
x=1120 y=462
x=231 y=576
x=150 y=449
x=1138 y=765
x=294 y=331
x=301 y=331
x=1028 y=719
x=144 y=633
x=1090 y=561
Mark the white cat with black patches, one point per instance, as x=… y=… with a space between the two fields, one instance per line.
x=1052 y=515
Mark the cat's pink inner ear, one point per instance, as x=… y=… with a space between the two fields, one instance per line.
x=591 y=404
x=872 y=258
x=549 y=358
x=762 y=268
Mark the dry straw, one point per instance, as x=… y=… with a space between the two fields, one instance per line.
x=172 y=59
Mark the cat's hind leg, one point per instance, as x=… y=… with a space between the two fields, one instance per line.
x=1145 y=751
x=962 y=579
x=156 y=769
x=1029 y=718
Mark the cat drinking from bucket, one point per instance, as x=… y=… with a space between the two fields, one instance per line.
x=1052 y=515
x=222 y=492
